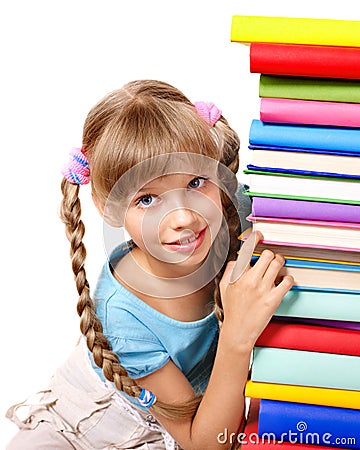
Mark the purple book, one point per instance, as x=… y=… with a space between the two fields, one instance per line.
x=306 y=210
x=324 y=322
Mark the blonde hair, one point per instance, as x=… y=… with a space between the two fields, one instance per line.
x=142 y=120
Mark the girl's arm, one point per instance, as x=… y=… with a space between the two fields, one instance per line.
x=248 y=304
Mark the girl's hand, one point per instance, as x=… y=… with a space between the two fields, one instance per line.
x=250 y=302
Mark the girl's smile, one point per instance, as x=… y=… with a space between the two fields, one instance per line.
x=188 y=242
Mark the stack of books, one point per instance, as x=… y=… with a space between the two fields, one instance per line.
x=304 y=180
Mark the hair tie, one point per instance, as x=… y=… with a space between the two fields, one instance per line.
x=208 y=111
x=146 y=398
x=77 y=171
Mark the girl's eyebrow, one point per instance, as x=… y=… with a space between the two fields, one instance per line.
x=146 y=189
x=159 y=183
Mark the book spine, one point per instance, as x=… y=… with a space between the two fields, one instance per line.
x=303 y=368
x=305 y=60
x=319 y=265
x=301 y=172
x=302 y=136
x=253 y=194
x=300 y=209
x=325 y=89
x=292 y=30
x=297 y=336
x=320 y=151
x=320 y=305
x=303 y=394
x=324 y=323
x=322 y=425
x=312 y=112
x=251 y=439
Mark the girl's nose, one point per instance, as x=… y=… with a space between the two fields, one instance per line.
x=182 y=218
x=181 y=209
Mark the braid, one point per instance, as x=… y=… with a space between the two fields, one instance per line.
x=90 y=325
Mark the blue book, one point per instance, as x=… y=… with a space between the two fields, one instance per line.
x=309 y=173
x=305 y=136
x=308 y=264
x=310 y=424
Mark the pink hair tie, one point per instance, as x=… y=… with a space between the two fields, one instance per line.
x=208 y=111
x=77 y=170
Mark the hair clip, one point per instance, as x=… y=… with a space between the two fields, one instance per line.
x=77 y=171
x=146 y=398
x=208 y=111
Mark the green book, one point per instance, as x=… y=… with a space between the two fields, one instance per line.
x=320 y=305
x=305 y=368
x=306 y=88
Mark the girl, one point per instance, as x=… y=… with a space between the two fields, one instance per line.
x=167 y=338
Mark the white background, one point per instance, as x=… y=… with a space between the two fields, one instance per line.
x=58 y=58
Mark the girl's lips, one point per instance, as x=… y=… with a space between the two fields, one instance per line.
x=186 y=246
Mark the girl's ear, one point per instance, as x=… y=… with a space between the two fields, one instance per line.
x=110 y=219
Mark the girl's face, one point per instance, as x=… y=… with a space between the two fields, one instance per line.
x=174 y=219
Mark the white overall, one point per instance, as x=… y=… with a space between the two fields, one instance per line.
x=79 y=411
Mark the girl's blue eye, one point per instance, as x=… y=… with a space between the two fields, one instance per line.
x=145 y=201
x=197 y=182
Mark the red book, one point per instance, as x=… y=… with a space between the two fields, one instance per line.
x=305 y=60
x=313 y=338
x=251 y=438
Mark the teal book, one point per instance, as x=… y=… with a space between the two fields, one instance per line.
x=320 y=305
x=305 y=368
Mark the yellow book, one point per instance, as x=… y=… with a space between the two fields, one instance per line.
x=304 y=394
x=292 y=30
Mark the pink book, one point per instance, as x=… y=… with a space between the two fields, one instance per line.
x=282 y=110
x=301 y=209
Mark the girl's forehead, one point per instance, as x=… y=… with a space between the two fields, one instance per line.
x=162 y=168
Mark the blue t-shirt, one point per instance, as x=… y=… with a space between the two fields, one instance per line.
x=145 y=339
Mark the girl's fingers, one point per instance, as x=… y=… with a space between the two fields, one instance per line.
x=284 y=286
x=243 y=260
x=272 y=272
x=262 y=264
